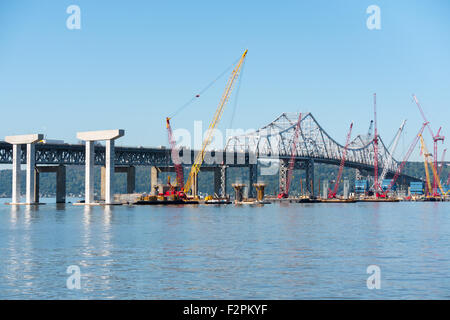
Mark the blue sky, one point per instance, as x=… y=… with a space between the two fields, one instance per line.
x=135 y=62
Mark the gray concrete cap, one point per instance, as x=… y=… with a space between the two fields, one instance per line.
x=101 y=135
x=24 y=138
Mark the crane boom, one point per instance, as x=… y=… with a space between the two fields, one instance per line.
x=376 y=185
x=406 y=157
x=332 y=194
x=436 y=177
x=285 y=193
x=216 y=119
x=389 y=159
x=175 y=156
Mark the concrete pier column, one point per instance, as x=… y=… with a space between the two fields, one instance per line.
x=195 y=185
x=131 y=179
x=90 y=137
x=31 y=163
x=16 y=159
x=109 y=173
x=61 y=184
x=239 y=191
x=325 y=189
x=154 y=175
x=252 y=178
x=36 y=184
x=310 y=177
x=346 y=188
x=17 y=141
x=89 y=173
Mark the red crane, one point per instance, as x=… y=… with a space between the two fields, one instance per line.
x=405 y=159
x=332 y=193
x=442 y=163
x=436 y=138
x=175 y=157
x=376 y=185
x=285 y=193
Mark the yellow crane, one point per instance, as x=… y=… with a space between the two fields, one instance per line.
x=426 y=156
x=209 y=134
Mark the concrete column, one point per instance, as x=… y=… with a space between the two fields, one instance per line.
x=89 y=173
x=310 y=177
x=90 y=136
x=346 y=188
x=109 y=174
x=17 y=141
x=102 y=182
x=154 y=175
x=252 y=178
x=61 y=184
x=16 y=159
x=325 y=189
x=195 y=185
x=31 y=163
x=36 y=185
x=131 y=179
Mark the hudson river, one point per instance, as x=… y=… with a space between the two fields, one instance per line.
x=293 y=251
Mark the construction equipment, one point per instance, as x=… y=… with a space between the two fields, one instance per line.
x=376 y=185
x=332 y=193
x=216 y=119
x=442 y=163
x=426 y=155
x=285 y=193
x=436 y=138
x=388 y=162
x=405 y=159
x=175 y=159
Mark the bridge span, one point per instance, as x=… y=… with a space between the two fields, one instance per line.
x=272 y=143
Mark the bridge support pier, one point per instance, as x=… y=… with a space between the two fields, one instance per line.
x=17 y=141
x=223 y=181
x=252 y=179
x=131 y=179
x=283 y=175
x=325 y=189
x=90 y=137
x=60 y=171
x=310 y=176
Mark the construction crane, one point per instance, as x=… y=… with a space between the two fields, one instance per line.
x=285 y=193
x=376 y=185
x=442 y=163
x=426 y=154
x=388 y=162
x=215 y=121
x=175 y=158
x=332 y=193
x=405 y=159
x=436 y=138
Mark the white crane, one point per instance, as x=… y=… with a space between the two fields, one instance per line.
x=388 y=162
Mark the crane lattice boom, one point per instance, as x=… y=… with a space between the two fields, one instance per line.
x=217 y=115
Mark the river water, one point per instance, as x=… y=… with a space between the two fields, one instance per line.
x=275 y=251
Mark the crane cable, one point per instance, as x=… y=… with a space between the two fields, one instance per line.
x=236 y=98
x=190 y=101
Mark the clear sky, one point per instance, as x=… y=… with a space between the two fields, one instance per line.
x=132 y=63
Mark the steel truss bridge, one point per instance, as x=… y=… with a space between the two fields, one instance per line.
x=271 y=142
